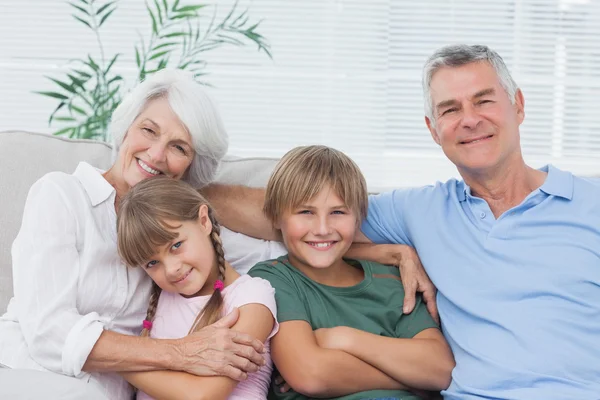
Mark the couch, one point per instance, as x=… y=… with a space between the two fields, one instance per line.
x=27 y=156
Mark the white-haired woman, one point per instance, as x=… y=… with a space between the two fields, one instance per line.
x=77 y=310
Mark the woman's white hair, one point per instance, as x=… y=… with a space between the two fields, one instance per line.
x=462 y=54
x=194 y=107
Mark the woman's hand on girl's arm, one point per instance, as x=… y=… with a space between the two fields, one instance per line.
x=214 y=350
x=255 y=320
x=423 y=362
x=413 y=275
x=319 y=372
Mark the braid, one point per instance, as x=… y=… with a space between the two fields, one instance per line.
x=215 y=237
x=152 y=305
x=212 y=310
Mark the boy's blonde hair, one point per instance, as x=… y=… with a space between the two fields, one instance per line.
x=142 y=228
x=304 y=171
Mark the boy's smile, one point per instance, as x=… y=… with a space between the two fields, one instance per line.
x=318 y=233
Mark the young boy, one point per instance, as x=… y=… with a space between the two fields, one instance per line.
x=342 y=333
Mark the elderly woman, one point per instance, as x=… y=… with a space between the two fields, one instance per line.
x=77 y=310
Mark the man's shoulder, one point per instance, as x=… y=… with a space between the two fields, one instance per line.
x=438 y=190
x=587 y=184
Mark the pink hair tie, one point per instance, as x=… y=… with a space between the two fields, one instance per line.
x=219 y=285
x=147 y=324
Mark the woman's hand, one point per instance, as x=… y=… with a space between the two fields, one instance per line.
x=217 y=350
x=413 y=275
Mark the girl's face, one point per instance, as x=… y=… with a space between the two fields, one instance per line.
x=186 y=265
x=156 y=143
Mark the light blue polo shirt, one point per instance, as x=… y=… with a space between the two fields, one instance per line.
x=519 y=296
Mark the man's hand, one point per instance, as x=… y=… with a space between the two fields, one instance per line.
x=415 y=279
x=216 y=350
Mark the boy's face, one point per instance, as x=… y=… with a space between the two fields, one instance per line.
x=317 y=234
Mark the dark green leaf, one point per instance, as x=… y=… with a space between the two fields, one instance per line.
x=253 y=27
x=82 y=21
x=174 y=34
x=242 y=15
x=162 y=63
x=54 y=95
x=85 y=2
x=115 y=79
x=83 y=10
x=61 y=105
x=110 y=64
x=107 y=97
x=104 y=7
x=230 y=40
x=154 y=28
x=65 y=119
x=62 y=131
x=186 y=9
x=197 y=37
x=92 y=64
x=183 y=16
x=166 y=6
x=105 y=17
x=84 y=74
x=76 y=81
x=230 y=12
x=185 y=65
x=137 y=57
x=158 y=55
x=159 y=12
x=78 y=110
x=160 y=46
x=174 y=8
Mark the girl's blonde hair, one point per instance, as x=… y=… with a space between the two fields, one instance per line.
x=304 y=171
x=142 y=227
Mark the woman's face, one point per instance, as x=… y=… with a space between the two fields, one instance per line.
x=157 y=143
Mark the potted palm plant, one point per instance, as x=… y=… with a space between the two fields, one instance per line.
x=90 y=91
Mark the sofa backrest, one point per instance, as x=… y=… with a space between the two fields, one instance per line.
x=26 y=156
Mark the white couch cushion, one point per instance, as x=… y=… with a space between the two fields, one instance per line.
x=26 y=156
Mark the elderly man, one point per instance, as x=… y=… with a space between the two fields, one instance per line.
x=514 y=251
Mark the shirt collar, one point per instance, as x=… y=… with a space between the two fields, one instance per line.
x=97 y=188
x=558 y=183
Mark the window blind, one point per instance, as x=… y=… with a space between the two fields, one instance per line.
x=344 y=73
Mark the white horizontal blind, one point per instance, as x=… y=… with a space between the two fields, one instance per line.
x=345 y=73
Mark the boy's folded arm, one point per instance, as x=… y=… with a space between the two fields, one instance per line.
x=255 y=319
x=423 y=362
x=318 y=372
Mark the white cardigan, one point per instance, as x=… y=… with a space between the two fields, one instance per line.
x=70 y=284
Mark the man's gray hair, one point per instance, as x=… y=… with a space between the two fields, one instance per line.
x=462 y=54
x=192 y=105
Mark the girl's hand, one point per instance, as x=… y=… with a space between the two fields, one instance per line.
x=216 y=350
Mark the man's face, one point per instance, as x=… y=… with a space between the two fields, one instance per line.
x=475 y=123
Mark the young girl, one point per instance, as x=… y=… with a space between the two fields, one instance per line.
x=166 y=227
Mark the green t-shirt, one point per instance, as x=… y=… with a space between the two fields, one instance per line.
x=374 y=305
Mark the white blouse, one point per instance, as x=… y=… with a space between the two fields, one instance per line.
x=70 y=285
